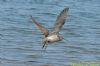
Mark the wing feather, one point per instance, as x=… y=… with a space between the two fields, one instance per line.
x=60 y=21
x=42 y=28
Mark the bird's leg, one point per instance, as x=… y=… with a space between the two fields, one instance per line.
x=44 y=43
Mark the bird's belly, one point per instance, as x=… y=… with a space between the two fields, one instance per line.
x=53 y=38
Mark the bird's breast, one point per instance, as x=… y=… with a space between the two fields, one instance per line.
x=53 y=38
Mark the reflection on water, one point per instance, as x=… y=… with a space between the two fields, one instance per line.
x=20 y=40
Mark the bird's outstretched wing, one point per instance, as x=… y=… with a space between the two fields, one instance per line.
x=42 y=28
x=60 y=21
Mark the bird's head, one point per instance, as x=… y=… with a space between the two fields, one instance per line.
x=61 y=37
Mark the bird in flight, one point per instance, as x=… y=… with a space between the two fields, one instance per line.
x=54 y=35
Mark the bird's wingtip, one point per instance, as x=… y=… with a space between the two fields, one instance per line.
x=31 y=16
x=66 y=8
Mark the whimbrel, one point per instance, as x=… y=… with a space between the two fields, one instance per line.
x=54 y=35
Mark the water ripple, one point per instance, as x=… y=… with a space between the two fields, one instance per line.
x=20 y=43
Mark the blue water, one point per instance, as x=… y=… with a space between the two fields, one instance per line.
x=20 y=40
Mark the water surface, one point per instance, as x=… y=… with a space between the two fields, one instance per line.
x=20 y=39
